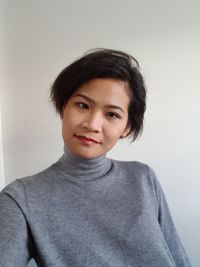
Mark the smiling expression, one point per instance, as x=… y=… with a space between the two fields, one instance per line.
x=96 y=117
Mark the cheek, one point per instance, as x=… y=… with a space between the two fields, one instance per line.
x=66 y=126
x=115 y=133
x=70 y=124
x=64 y=130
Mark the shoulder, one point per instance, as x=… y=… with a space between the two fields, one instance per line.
x=22 y=187
x=133 y=167
x=136 y=171
x=24 y=192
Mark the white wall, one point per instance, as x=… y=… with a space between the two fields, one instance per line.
x=42 y=37
x=2 y=178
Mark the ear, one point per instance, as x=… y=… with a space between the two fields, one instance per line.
x=62 y=112
x=126 y=131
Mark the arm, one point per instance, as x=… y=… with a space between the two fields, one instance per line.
x=14 y=250
x=168 y=229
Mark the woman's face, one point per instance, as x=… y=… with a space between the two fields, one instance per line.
x=95 y=117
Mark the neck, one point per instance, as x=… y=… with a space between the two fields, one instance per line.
x=83 y=168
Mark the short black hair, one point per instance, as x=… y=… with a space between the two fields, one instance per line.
x=104 y=63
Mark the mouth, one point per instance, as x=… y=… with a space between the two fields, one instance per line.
x=86 y=140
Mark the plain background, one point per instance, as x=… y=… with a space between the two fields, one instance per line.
x=42 y=37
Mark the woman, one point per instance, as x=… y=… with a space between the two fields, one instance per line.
x=87 y=209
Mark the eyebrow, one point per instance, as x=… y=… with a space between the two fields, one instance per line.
x=94 y=102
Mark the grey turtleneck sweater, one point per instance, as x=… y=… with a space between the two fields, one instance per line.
x=88 y=213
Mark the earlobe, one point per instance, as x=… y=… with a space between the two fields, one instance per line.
x=123 y=135
x=126 y=132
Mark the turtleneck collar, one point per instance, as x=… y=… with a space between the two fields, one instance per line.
x=82 y=168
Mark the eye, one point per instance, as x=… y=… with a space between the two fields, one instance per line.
x=113 y=115
x=82 y=105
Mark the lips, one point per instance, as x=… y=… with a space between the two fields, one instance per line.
x=86 y=139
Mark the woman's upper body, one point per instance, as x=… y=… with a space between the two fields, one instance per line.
x=88 y=212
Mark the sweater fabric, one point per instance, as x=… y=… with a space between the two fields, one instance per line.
x=88 y=213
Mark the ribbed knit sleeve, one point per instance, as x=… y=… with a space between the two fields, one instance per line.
x=14 y=241
x=168 y=229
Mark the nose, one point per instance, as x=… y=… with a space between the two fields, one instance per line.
x=94 y=122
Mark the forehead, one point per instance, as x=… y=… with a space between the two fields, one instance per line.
x=107 y=91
